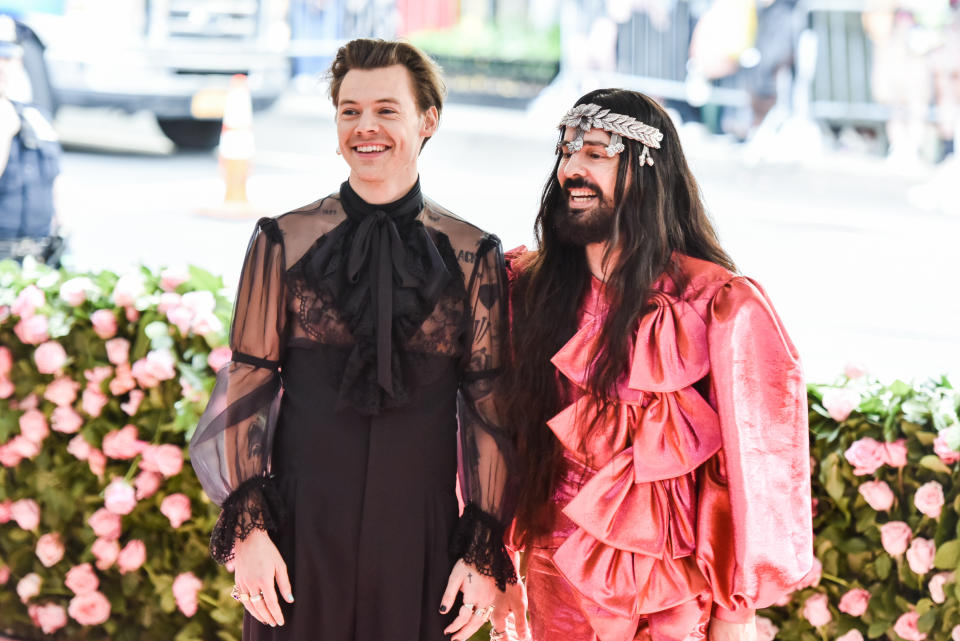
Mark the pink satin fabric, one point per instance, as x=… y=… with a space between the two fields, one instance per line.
x=686 y=506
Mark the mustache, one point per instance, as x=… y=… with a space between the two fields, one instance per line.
x=580 y=183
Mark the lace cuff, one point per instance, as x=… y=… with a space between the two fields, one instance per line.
x=478 y=540
x=254 y=505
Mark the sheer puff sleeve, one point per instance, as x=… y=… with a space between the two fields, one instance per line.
x=755 y=538
x=230 y=449
x=485 y=444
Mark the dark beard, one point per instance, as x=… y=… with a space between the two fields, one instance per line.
x=583 y=227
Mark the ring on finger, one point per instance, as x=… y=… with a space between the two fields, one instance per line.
x=256 y=597
x=495 y=635
x=469 y=606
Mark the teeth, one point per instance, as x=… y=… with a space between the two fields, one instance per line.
x=581 y=193
x=368 y=148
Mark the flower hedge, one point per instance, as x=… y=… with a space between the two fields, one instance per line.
x=103 y=527
x=886 y=503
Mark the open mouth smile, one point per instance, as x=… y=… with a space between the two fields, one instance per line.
x=581 y=196
x=370 y=149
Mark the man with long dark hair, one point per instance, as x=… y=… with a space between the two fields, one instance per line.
x=660 y=406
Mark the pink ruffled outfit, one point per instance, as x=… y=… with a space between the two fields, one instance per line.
x=695 y=500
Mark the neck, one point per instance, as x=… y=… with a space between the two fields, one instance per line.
x=387 y=190
x=595 y=253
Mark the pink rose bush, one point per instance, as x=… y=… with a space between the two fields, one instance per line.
x=99 y=393
x=887 y=493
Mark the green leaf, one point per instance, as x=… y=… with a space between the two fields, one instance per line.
x=883 y=565
x=933 y=462
x=878 y=628
x=948 y=555
x=899 y=388
x=927 y=620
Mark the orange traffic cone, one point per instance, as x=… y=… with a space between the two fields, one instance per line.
x=236 y=152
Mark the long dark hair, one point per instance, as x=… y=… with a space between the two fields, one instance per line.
x=659 y=210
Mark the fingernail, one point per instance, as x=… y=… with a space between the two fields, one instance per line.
x=290 y=597
x=443 y=609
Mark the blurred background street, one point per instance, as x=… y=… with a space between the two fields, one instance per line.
x=835 y=194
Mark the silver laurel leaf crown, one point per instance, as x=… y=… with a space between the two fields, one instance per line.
x=592 y=116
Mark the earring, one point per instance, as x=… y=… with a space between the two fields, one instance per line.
x=339 y=153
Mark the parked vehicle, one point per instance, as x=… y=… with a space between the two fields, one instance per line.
x=173 y=58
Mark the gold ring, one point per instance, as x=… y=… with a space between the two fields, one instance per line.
x=238 y=595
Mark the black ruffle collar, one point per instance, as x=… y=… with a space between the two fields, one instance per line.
x=384 y=273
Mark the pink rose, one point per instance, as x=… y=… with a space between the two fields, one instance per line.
x=5 y=511
x=166 y=459
x=201 y=302
x=947 y=454
x=93 y=402
x=816 y=611
x=26 y=513
x=176 y=507
x=104 y=323
x=105 y=524
x=206 y=324
x=7 y=388
x=920 y=555
x=840 y=402
x=132 y=404
x=49 y=549
x=906 y=627
x=132 y=556
x=147 y=484
x=23 y=447
x=219 y=357
x=49 y=617
x=895 y=454
x=118 y=350
x=97 y=375
x=97 y=462
x=851 y=635
x=185 y=589
x=33 y=425
x=91 y=608
x=106 y=552
x=66 y=420
x=29 y=586
x=854 y=602
x=877 y=494
x=4 y=574
x=160 y=364
x=123 y=443
x=929 y=499
x=33 y=330
x=937 y=581
x=854 y=371
x=895 y=536
x=128 y=289
x=955 y=633
x=79 y=447
x=812 y=578
x=28 y=300
x=30 y=402
x=132 y=314
x=74 y=291
x=50 y=357
x=62 y=390
x=766 y=629
x=123 y=382
x=865 y=455
x=119 y=497
x=9 y=457
x=81 y=579
x=180 y=317
x=168 y=301
x=171 y=278
x=6 y=360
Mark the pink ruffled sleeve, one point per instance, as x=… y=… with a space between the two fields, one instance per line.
x=755 y=539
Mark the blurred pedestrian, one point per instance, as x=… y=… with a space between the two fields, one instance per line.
x=366 y=325
x=29 y=164
x=659 y=404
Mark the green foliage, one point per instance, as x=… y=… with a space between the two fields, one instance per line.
x=490 y=41
x=920 y=421
x=68 y=490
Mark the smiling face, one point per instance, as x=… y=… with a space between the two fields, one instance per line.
x=381 y=131
x=588 y=178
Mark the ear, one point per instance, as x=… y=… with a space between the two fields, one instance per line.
x=431 y=120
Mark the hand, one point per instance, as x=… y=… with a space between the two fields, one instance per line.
x=724 y=631
x=510 y=612
x=479 y=594
x=258 y=565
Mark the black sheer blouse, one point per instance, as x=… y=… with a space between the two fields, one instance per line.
x=389 y=284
